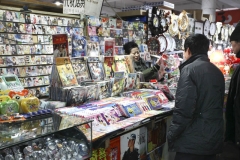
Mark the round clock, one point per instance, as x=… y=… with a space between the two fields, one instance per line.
x=155 y=21
x=173 y=28
x=153 y=45
x=169 y=41
x=206 y=27
x=183 y=21
x=164 y=22
x=163 y=43
x=213 y=29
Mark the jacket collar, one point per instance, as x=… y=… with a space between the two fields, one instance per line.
x=203 y=57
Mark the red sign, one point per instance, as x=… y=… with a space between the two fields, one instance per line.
x=228 y=17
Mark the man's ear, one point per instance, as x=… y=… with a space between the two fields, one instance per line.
x=189 y=52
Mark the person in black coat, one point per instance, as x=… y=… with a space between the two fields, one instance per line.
x=232 y=114
x=197 y=128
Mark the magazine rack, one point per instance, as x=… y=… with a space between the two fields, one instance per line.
x=43 y=130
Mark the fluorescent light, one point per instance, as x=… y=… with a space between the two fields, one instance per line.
x=58 y=3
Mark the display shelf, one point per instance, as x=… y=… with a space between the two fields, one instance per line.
x=32 y=128
x=101 y=140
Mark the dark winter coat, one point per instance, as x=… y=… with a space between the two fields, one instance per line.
x=148 y=72
x=233 y=109
x=197 y=124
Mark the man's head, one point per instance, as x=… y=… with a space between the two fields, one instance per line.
x=195 y=44
x=131 y=140
x=235 y=40
x=131 y=48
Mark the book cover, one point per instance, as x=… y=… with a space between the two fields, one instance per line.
x=120 y=64
x=80 y=69
x=114 y=150
x=153 y=102
x=109 y=46
x=134 y=144
x=131 y=109
x=119 y=24
x=109 y=65
x=66 y=72
x=96 y=68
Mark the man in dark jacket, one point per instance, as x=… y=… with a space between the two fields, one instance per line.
x=131 y=48
x=233 y=102
x=196 y=131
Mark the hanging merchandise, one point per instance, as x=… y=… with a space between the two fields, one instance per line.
x=153 y=46
x=173 y=27
x=183 y=21
x=206 y=27
x=213 y=29
x=159 y=21
x=163 y=43
x=198 y=28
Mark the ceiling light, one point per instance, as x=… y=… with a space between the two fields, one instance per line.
x=58 y=2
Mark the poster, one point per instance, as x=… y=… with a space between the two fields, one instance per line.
x=73 y=6
x=93 y=7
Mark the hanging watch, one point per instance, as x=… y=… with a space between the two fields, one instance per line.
x=213 y=29
x=163 y=43
x=206 y=27
x=153 y=45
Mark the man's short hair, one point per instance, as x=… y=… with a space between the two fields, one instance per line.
x=235 y=36
x=197 y=44
x=129 y=46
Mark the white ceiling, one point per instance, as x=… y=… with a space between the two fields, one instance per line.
x=179 y=4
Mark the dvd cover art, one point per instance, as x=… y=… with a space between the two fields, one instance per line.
x=15 y=16
x=130 y=25
x=113 y=33
x=80 y=69
x=104 y=89
x=60 y=45
x=2 y=61
x=2 y=26
x=104 y=22
x=79 y=46
x=109 y=65
x=95 y=68
x=119 y=41
x=2 y=49
x=137 y=140
x=119 y=33
x=76 y=23
x=118 y=50
x=9 y=26
x=92 y=93
x=125 y=24
x=2 y=15
x=119 y=24
x=109 y=46
x=60 y=30
x=130 y=35
x=125 y=33
x=113 y=151
x=76 y=96
x=93 y=21
x=120 y=63
x=23 y=39
x=27 y=18
x=92 y=31
x=47 y=39
x=93 y=49
x=112 y=23
x=66 y=72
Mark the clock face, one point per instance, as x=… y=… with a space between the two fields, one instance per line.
x=206 y=28
x=155 y=21
x=153 y=45
x=163 y=22
x=213 y=28
x=163 y=43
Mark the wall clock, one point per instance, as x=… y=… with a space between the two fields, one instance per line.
x=153 y=45
x=213 y=28
x=173 y=27
x=163 y=43
x=183 y=21
x=206 y=27
x=198 y=28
